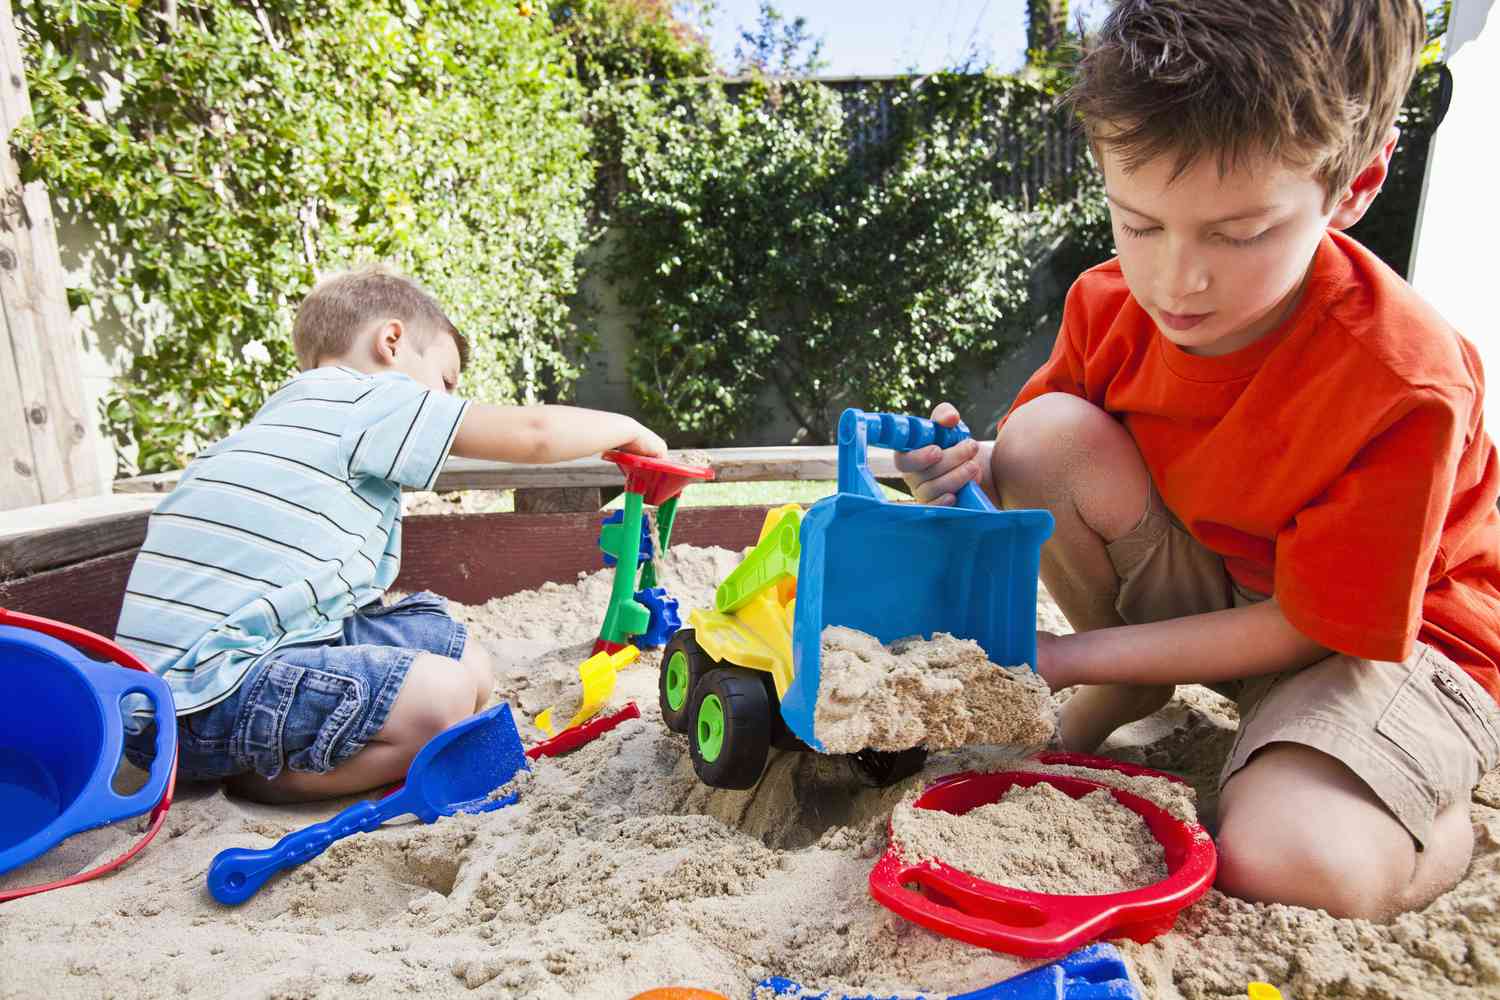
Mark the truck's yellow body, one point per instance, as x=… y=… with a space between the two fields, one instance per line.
x=751 y=624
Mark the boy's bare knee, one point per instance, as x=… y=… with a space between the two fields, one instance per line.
x=1265 y=862
x=1033 y=433
x=480 y=666
x=438 y=692
x=1058 y=449
x=1298 y=827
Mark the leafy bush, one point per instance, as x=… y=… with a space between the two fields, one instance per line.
x=614 y=40
x=769 y=245
x=234 y=149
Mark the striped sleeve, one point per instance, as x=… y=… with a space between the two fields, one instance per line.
x=401 y=431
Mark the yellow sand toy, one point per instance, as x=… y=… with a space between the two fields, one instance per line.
x=724 y=677
x=751 y=624
x=598 y=676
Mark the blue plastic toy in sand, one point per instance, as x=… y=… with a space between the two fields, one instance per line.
x=459 y=770
x=1093 y=973
x=61 y=738
x=894 y=570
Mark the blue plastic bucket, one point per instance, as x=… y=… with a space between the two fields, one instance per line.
x=61 y=740
x=894 y=570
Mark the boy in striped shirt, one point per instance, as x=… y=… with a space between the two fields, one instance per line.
x=257 y=592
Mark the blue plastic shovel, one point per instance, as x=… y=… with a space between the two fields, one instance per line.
x=1093 y=973
x=457 y=771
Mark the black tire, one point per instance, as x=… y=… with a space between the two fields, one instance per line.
x=731 y=728
x=695 y=663
x=880 y=768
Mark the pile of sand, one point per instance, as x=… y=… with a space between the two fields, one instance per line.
x=618 y=871
x=941 y=692
x=1037 y=838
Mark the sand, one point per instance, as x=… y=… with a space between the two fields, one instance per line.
x=618 y=872
x=1037 y=838
x=1178 y=799
x=941 y=692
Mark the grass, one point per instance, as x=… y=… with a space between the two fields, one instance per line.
x=758 y=494
x=771 y=494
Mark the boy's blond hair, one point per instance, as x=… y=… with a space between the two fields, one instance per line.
x=1313 y=83
x=343 y=305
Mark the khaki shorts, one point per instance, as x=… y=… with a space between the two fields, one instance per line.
x=1420 y=733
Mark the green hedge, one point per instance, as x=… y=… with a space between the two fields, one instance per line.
x=230 y=156
x=775 y=253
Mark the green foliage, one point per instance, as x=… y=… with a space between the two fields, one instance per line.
x=766 y=251
x=618 y=41
x=229 y=151
x=614 y=40
x=1047 y=35
x=775 y=46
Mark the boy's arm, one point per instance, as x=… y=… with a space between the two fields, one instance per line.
x=935 y=475
x=1197 y=649
x=541 y=434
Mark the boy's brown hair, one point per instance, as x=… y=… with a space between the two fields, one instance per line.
x=1315 y=83
x=343 y=305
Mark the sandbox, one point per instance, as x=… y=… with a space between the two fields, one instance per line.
x=618 y=871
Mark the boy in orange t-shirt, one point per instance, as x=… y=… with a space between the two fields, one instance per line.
x=1265 y=453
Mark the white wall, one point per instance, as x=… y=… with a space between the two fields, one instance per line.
x=1458 y=230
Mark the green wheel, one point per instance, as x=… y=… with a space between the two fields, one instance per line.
x=709 y=732
x=730 y=734
x=683 y=662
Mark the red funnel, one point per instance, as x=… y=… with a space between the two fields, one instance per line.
x=655 y=479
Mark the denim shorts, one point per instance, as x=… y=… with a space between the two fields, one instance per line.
x=312 y=707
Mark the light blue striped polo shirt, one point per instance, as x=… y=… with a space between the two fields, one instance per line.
x=277 y=533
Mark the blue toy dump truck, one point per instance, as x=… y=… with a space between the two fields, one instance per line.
x=744 y=677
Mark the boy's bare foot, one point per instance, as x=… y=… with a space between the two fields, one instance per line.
x=1095 y=711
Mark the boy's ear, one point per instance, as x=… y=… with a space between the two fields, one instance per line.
x=389 y=337
x=1366 y=185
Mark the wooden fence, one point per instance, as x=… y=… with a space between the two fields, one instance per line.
x=1040 y=153
x=47 y=435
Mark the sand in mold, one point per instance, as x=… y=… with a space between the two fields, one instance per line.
x=1040 y=839
x=618 y=872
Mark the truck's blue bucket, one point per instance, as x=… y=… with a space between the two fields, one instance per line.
x=61 y=738
x=895 y=570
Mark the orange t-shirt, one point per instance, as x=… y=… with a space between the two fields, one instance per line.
x=1340 y=462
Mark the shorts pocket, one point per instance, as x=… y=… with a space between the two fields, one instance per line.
x=1473 y=718
x=301 y=717
x=212 y=728
x=1402 y=724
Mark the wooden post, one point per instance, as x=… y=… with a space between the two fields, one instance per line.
x=47 y=435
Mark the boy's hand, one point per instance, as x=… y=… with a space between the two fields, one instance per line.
x=934 y=474
x=646 y=442
x=1051 y=661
